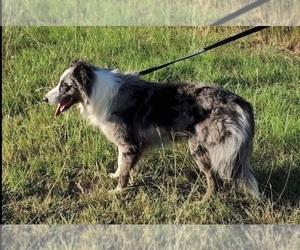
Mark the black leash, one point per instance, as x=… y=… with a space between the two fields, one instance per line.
x=239 y=12
x=215 y=45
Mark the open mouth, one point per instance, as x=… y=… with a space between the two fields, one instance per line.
x=64 y=106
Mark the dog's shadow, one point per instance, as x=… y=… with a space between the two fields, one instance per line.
x=186 y=184
x=281 y=185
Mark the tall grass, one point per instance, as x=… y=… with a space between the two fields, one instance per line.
x=55 y=170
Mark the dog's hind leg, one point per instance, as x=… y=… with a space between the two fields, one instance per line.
x=201 y=156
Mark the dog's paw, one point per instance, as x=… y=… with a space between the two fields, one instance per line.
x=131 y=181
x=114 y=175
x=118 y=191
x=114 y=192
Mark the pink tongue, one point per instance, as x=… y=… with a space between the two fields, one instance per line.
x=57 y=112
x=61 y=107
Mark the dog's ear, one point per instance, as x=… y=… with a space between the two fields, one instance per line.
x=83 y=75
x=76 y=61
x=83 y=72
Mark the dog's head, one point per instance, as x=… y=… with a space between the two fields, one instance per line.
x=74 y=86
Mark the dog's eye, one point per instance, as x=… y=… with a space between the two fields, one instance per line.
x=65 y=87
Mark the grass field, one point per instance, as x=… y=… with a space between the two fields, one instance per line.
x=55 y=170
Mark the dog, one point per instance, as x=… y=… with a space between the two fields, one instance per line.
x=137 y=116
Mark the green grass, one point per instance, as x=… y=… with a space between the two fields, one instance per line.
x=55 y=170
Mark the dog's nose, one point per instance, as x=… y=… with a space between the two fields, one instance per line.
x=45 y=99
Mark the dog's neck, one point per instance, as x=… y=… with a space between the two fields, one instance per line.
x=103 y=91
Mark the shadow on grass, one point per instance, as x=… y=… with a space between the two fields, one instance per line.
x=280 y=185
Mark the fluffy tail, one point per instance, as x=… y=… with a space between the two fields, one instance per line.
x=250 y=186
x=231 y=160
x=244 y=179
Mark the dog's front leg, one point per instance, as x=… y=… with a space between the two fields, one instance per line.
x=129 y=157
x=117 y=173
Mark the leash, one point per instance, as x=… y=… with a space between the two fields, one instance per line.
x=215 y=45
x=239 y=12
